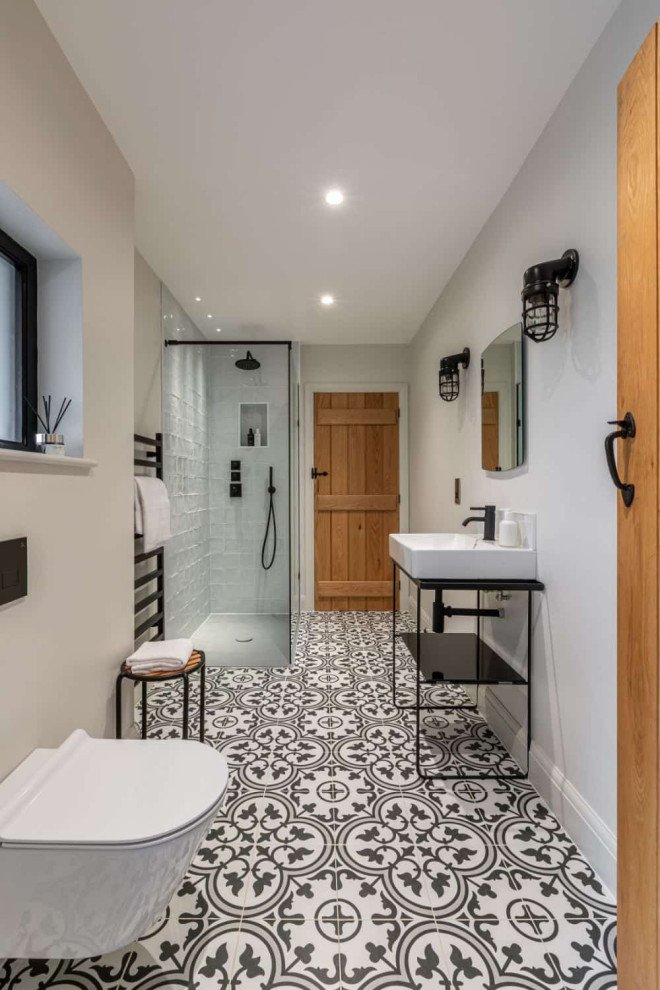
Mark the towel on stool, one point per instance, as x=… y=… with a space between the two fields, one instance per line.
x=168 y=654
x=152 y=512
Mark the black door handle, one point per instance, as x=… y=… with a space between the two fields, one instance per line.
x=626 y=431
x=319 y=474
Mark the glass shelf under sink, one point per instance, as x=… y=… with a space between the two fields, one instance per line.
x=459 y=658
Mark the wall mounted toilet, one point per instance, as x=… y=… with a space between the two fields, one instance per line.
x=95 y=837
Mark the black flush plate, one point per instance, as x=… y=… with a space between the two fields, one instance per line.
x=13 y=570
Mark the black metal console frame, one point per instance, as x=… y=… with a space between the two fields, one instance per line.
x=424 y=584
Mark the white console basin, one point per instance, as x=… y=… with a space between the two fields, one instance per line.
x=460 y=556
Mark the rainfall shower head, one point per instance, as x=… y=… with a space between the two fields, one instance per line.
x=248 y=363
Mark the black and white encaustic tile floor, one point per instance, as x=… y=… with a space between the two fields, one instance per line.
x=332 y=866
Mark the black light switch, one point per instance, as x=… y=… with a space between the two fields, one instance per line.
x=235 y=491
x=13 y=570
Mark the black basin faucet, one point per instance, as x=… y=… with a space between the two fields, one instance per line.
x=488 y=519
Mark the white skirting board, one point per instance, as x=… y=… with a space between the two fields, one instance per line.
x=587 y=829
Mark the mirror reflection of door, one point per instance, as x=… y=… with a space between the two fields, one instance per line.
x=490 y=431
x=503 y=402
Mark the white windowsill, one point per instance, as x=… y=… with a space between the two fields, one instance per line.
x=50 y=461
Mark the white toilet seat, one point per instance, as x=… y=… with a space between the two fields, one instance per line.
x=150 y=791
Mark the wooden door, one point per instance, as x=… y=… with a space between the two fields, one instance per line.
x=490 y=431
x=638 y=654
x=356 y=507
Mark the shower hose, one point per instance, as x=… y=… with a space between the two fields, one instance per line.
x=270 y=521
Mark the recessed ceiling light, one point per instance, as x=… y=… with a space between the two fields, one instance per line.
x=210 y=316
x=327 y=300
x=218 y=330
x=334 y=197
x=198 y=298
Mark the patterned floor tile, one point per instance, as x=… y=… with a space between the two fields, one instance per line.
x=332 y=796
x=297 y=877
x=392 y=953
x=182 y=953
x=526 y=948
x=286 y=952
x=101 y=973
x=382 y=882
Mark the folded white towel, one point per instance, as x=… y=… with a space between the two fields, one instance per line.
x=168 y=654
x=137 y=508
x=152 y=512
x=149 y=666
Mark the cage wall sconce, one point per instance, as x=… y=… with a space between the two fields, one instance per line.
x=540 y=315
x=448 y=377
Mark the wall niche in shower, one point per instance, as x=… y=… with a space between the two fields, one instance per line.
x=253 y=416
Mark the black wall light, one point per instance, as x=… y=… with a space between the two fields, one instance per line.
x=540 y=316
x=449 y=383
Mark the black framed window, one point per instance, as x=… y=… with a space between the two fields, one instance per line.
x=18 y=345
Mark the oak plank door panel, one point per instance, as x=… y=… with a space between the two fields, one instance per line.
x=356 y=507
x=490 y=431
x=638 y=653
x=351 y=416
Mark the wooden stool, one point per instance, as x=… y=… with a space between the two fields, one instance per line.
x=197 y=662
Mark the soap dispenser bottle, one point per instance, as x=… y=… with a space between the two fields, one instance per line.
x=250 y=437
x=257 y=437
x=509 y=533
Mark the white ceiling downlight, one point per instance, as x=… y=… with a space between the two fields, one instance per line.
x=198 y=298
x=334 y=197
x=327 y=299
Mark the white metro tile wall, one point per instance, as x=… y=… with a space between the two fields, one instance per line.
x=213 y=561
x=185 y=429
x=237 y=525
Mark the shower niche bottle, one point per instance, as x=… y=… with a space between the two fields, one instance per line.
x=250 y=437
x=257 y=437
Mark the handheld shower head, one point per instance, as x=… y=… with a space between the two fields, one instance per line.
x=248 y=363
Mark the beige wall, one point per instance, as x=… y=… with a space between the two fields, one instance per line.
x=354 y=364
x=148 y=349
x=62 y=644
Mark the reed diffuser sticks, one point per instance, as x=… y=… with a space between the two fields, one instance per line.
x=46 y=423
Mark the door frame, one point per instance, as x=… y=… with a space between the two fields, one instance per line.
x=307 y=486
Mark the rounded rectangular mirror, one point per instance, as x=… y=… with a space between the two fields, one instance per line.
x=503 y=402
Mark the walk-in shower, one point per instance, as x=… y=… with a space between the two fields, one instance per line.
x=231 y=468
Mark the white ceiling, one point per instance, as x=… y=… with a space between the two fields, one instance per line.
x=237 y=115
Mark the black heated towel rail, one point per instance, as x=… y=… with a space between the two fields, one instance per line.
x=148 y=454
